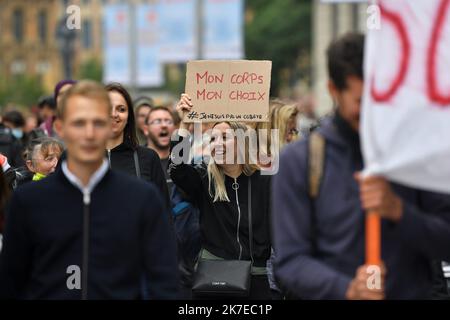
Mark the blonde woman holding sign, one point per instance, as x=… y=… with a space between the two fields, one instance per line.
x=229 y=194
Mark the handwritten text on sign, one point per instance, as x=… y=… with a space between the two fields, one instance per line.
x=228 y=90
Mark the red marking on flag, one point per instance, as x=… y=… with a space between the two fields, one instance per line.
x=432 y=86
x=397 y=22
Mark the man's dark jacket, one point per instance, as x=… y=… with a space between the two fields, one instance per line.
x=319 y=243
x=129 y=240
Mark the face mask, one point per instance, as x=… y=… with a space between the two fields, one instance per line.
x=17 y=133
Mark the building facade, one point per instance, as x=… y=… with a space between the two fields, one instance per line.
x=28 y=38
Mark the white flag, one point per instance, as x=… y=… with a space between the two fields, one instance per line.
x=405 y=121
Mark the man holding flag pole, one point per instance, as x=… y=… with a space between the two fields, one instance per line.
x=408 y=94
x=325 y=208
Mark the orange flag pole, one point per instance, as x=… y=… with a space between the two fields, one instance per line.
x=373 y=239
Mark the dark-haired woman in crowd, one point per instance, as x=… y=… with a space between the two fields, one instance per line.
x=123 y=150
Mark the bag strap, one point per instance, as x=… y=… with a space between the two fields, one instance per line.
x=250 y=224
x=316 y=162
x=136 y=164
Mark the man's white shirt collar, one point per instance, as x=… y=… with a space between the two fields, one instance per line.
x=93 y=181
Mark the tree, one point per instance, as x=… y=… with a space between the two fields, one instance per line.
x=91 y=69
x=279 y=31
x=21 y=90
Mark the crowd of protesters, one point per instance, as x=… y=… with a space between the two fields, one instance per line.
x=103 y=197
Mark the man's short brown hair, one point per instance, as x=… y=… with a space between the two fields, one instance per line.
x=85 y=88
x=163 y=108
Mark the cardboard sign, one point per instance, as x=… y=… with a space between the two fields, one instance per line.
x=235 y=90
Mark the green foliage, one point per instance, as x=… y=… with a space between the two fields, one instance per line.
x=91 y=69
x=21 y=90
x=175 y=75
x=279 y=31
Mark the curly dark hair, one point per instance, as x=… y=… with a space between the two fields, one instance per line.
x=345 y=58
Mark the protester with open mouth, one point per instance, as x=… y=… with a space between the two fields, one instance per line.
x=123 y=151
x=221 y=191
x=160 y=126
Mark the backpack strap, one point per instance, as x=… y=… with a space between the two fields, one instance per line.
x=316 y=163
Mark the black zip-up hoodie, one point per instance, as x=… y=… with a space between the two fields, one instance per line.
x=129 y=237
x=219 y=221
x=121 y=158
